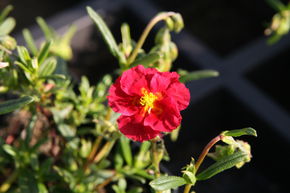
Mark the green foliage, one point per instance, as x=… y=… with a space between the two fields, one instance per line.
x=107 y=35
x=167 y=182
x=67 y=138
x=280 y=24
x=196 y=75
x=224 y=163
x=11 y=105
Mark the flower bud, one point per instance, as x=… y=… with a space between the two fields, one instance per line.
x=175 y=22
x=163 y=36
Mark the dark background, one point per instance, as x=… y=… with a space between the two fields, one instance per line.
x=225 y=35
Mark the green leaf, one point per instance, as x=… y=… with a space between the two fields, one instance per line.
x=147 y=59
x=54 y=77
x=240 y=132
x=167 y=182
x=223 y=164
x=42 y=188
x=126 y=150
x=11 y=105
x=44 y=52
x=5 y=12
x=106 y=34
x=9 y=149
x=7 y=26
x=276 y=4
x=136 y=190
x=23 y=54
x=196 y=75
x=66 y=130
x=189 y=177
x=29 y=129
x=29 y=41
x=47 y=67
x=27 y=182
x=48 y=33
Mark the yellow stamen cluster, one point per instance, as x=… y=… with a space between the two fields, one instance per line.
x=147 y=100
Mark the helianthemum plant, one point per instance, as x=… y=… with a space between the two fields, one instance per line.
x=63 y=136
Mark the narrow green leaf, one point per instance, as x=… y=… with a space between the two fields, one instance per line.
x=23 y=54
x=167 y=182
x=11 y=105
x=48 y=33
x=223 y=164
x=7 y=26
x=136 y=190
x=69 y=34
x=200 y=74
x=29 y=41
x=276 y=4
x=47 y=67
x=5 y=12
x=106 y=34
x=23 y=67
x=147 y=60
x=29 y=129
x=54 y=77
x=240 y=132
x=126 y=150
x=9 y=149
x=44 y=52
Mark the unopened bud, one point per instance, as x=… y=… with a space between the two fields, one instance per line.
x=163 y=36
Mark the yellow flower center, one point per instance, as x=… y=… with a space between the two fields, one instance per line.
x=147 y=100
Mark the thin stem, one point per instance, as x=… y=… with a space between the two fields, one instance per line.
x=145 y=33
x=6 y=185
x=92 y=154
x=187 y=188
x=206 y=150
x=201 y=158
x=104 y=151
x=155 y=159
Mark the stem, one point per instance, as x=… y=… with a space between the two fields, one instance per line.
x=92 y=154
x=155 y=159
x=6 y=185
x=145 y=33
x=201 y=158
x=104 y=151
x=187 y=188
x=206 y=150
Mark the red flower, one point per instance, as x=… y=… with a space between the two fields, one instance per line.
x=149 y=101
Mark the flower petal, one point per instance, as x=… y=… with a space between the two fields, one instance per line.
x=165 y=118
x=120 y=102
x=133 y=80
x=180 y=94
x=133 y=128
